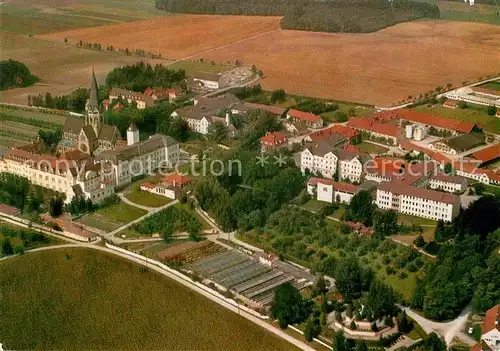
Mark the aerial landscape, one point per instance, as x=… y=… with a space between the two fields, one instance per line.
x=250 y=175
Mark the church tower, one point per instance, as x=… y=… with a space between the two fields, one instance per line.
x=93 y=116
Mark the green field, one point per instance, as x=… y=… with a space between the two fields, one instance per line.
x=81 y=299
x=46 y=117
x=136 y=195
x=112 y=217
x=409 y=220
x=474 y=114
x=37 y=16
x=491 y=85
x=371 y=148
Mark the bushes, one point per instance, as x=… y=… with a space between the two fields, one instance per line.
x=15 y=74
x=316 y=107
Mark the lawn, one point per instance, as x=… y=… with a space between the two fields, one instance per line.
x=371 y=148
x=475 y=114
x=112 y=217
x=491 y=85
x=409 y=220
x=136 y=195
x=314 y=205
x=492 y=189
x=82 y=299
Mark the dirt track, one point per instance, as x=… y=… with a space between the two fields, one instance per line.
x=379 y=68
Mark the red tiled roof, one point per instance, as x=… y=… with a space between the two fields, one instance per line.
x=148 y=185
x=385 y=166
x=272 y=109
x=402 y=189
x=439 y=157
x=351 y=148
x=488 y=154
x=491 y=319
x=471 y=168
x=345 y=187
x=476 y=347
x=375 y=127
x=340 y=129
x=448 y=178
x=305 y=116
x=178 y=179
x=274 y=138
x=437 y=121
x=9 y=210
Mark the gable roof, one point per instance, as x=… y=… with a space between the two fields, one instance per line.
x=491 y=320
x=448 y=178
x=488 y=154
x=316 y=180
x=305 y=116
x=320 y=149
x=273 y=138
x=108 y=133
x=275 y=110
x=437 y=121
x=337 y=129
x=73 y=125
x=89 y=133
x=375 y=127
x=177 y=179
x=402 y=189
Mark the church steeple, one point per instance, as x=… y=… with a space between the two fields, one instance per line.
x=93 y=100
x=93 y=117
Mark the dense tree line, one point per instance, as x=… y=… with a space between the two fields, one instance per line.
x=18 y=192
x=75 y=101
x=140 y=76
x=466 y=265
x=28 y=239
x=355 y=16
x=15 y=74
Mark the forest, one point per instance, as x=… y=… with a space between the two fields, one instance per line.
x=140 y=76
x=350 y=16
x=15 y=74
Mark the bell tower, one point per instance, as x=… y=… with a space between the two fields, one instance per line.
x=93 y=114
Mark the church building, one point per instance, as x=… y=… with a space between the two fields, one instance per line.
x=90 y=135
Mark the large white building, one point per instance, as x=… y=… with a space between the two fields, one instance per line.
x=451 y=184
x=205 y=112
x=319 y=159
x=418 y=202
x=327 y=190
x=351 y=165
x=72 y=174
x=143 y=157
x=476 y=95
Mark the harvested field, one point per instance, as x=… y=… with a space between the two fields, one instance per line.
x=379 y=68
x=193 y=33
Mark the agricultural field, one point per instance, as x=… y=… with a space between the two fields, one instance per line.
x=39 y=16
x=27 y=114
x=475 y=114
x=129 y=304
x=112 y=217
x=155 y=35
x=365 y=67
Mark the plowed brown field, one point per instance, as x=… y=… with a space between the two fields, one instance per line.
x=378 y=68
x=176 y=36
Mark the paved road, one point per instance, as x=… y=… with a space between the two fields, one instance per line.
x=448 y=330
x=188 y=284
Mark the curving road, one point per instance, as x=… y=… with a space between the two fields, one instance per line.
x=448 y=330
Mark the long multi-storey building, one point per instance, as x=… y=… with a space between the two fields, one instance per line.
x=417 y=201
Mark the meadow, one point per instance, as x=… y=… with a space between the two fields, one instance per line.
x=112 y=217
x=82 y=299
x=474 y=113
